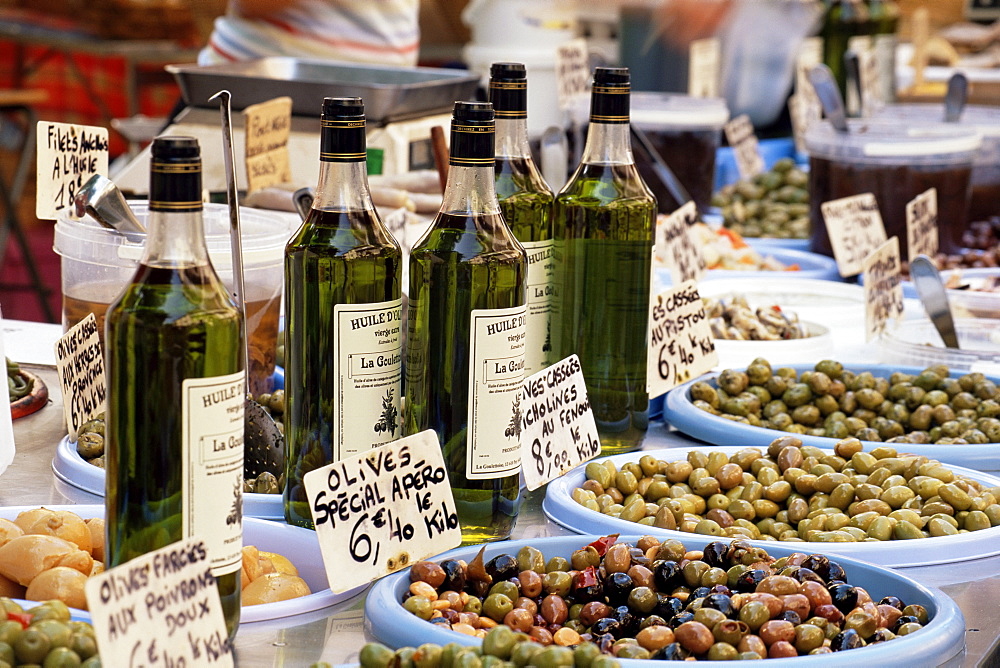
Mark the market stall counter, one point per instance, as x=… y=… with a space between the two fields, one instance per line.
x=336 y=634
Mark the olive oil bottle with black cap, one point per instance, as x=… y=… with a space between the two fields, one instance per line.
x=176 y=388
x=466 y=334
x=343 y=330
x=526 y=204
x=603 y=226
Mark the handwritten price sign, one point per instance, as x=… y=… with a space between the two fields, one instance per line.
x=883 y=288
x=558 y=431
x=379 y=511
x=268 y=126
x=68 y=155
x=680 y=341
x=855 y=228
x=80 y=364
x=741 y=136
x=921 y=225
x=675 y=246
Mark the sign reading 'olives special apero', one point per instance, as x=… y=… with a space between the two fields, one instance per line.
x=680 y=339
x=379 y=511
x=854 y=225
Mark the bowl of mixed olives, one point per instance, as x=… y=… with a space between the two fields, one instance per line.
x=932 y=411
x=640 y=598
x=881 y=506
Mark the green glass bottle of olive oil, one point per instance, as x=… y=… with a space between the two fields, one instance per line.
x=176 y=388
x=466 y=334
x=603 y=227
x=526 y=204
x=343 y=331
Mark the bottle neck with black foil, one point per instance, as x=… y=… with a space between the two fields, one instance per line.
x=343 y=170
x=469 y=190
x=509 y=97
x=175 y=232
x=608 y=141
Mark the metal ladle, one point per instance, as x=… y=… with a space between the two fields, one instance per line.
x=956 y=97
x=934 y=297
x=829 y=96
x=264 y=445
x=102 y=199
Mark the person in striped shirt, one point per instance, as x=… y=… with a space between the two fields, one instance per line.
x=383 y=32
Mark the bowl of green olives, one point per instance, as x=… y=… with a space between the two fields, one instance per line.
x=945 y=415
x=639 y=598
x=891 y=510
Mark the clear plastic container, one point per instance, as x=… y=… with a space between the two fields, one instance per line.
x=896 y=162
x=686 y=132
x=986 y=164
x=976 y=296
x=98 y=263
x=917 y=343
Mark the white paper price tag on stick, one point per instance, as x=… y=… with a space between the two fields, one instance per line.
x=80 y=364
x=883 y=288
x=68 y=155
x=854 y=226
x=160 y=609
x=675 y=246
x=572 y=71
x=268 y=126
x=921 y=225
x=704 y=58
x=743 y=140
x=380 y=511
x=558 y=431
x=680 y=341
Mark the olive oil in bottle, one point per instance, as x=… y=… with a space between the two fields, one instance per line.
x=176 y=388
x=343 y=338
x=526 y=204
x=603 y=226
x=466 y=334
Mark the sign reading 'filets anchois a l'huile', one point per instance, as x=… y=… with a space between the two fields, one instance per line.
x=379 y=511
x=558 y=430
x=68 y=155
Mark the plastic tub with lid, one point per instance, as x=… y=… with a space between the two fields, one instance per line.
x=986 y=164
x=895 y=162
x=686 y=132
x=98 y=263
x=917 y=343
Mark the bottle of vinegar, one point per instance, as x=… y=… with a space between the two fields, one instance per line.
x=603 y=226
x=176 y=388
x=466 y=334
x=343 y=338
x=526 y=204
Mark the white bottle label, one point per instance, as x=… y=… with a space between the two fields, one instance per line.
x=496 y=371
x=539 y=352
x=212 y=466
x=367 y=352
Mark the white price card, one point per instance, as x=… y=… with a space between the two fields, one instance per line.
x=921 y=225
x=558 y=430
x=160 y=609
x=268 y=126
x=871 y=83
x=80 y=364
x=68 y=155
x=676 y=247
x=704 y=65
x=379 y=511
x=883 y=288
x=680 y=341
x=855 y=228
x=572 y=71
x=804 y=111
x=743 y=140
x=859 y=44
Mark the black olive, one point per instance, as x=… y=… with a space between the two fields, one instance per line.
x=605 y=641
x=440 y=621
x=836 y=572
x=791 y=616
x=502 y=567
x=893 y=601
x=454 y=576
x=478 y=588
x=720 y=589
x=848 y=639
x=903 y=619
x=605 y=625
x=736 y=549
x=667 y=575
x=715 y=553
x=698 y=592
x=679 y=619
x=617 y=588
x=880 y=635
x=628 y=621
x=817 y=563
x=668 y=606
x=719 y=602
x=594 y=592
x=671 y=652
x=748 y=580
x=807 y=575
x=844 y=596
x=652 y=620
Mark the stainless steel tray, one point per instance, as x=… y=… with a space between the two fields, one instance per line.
x=390 y=93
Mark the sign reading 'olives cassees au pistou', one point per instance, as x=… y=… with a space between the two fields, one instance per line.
x=379 y=511
x=680 y=339
x=558 y=431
